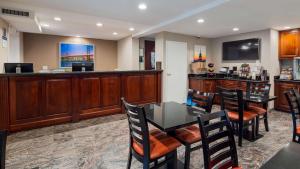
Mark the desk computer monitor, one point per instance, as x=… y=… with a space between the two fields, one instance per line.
x=25 y=67
x=80 y=67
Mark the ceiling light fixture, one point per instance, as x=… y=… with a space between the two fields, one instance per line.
x=131 y=29
x=99 y=24
x=200 y=20
x=287 y=27
x=45 y=25
x=115 y=33
x=78 y=36
x=142 y=6
x=235 y=29
x=57 y=18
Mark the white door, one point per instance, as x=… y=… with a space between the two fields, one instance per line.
x=176 y=72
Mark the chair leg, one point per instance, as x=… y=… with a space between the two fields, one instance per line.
x=129 y=159
x=294 y=138
x=187 y=156
x=257 y=125
x=266 y=121
x=240 y=130
x=254 y=126
x=146 y=164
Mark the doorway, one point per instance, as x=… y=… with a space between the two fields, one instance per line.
x=176 y=76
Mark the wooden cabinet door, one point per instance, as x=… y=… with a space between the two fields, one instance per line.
x=26 y=99
x=289 y=44
x=58 y=97
x=149 y=88
x=89 y=93
x=111 y=91
x=230 y=84
x=132 y=88
x=281 y=102
x=209 y=86
x=195 y=84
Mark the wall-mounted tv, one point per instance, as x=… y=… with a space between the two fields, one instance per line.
x=248 y=49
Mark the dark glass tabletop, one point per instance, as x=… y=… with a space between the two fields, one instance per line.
x=287 y=158
x=169 y=116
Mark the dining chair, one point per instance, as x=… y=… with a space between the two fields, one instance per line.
x=190 y=135
x=256 y=89
x=147 y=146
x=232 y=101
x=218 y=144
x=293 y=98
x=3 y=136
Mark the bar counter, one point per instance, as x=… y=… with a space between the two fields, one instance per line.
x=33 y=100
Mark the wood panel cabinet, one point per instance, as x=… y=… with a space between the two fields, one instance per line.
x=58 y=97
x=289 y=44
x=26 y=95
x=281 y=101
x=37 y=100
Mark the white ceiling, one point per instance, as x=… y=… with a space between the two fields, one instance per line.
x=79 y=17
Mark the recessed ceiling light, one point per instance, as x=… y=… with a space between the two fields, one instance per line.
x=57 y=18
x=45 y=25
x=131 y=29
x=235 y=29
x=78 y=36
x=287 y=27
x=115 y=33
x=142 y=6
x=200 y=20
x=99 y=24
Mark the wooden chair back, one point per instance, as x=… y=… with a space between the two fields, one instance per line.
x=258 y=89
x=218 y=142
x=232 y=100
x=138 y=126
x=203 y=99
x=293 y=98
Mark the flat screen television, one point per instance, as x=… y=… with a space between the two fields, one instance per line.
x=248 y=49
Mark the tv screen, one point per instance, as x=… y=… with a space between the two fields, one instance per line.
x=248 y=49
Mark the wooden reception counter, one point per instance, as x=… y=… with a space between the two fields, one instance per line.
x=42 y=99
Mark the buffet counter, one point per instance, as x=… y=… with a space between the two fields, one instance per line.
x=34 y=100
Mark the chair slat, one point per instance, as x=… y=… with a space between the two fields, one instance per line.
x=220 y=157
x=219 y=146
x=216 y=125
x=217 y=136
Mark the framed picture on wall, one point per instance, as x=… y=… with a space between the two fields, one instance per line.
x=70 y=53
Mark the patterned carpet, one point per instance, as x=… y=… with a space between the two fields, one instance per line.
x=102 y=143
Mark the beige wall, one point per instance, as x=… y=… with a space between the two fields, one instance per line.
x=128 y=53
x=269 y=52
x=4 y=52
x=43 y=49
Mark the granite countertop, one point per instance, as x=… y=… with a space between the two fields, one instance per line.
x=226 y=78
x=283 y=80
x=77 y=73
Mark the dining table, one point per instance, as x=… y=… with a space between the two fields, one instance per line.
x=286 y=158
x=168 y=117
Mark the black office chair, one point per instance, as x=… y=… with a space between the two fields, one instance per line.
x=293 y=98
x=218 y=144
x=147 y=146
x=3 y=136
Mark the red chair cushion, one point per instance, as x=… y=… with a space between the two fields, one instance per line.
x=257 y=110
x=234 y=116
x=190 y=134
x=298 y=130
x=160 y=144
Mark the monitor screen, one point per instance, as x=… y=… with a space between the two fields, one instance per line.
x=25 y=67
x=248 y=49
x=78 y=67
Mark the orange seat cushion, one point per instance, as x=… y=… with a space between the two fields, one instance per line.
x=257 y=110
x=235 y=116
x=298 y=130
x=160 y=144
x=237 y=168
x=190 y=134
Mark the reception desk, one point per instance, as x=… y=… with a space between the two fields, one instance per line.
x=42 y=99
